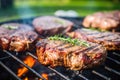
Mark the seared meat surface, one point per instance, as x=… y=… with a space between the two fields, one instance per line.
x=103 y=20
x=74 y=57
x=111 y=41
x=16 y=37
x=50 y=25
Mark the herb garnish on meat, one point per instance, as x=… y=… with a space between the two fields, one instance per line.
x=69 y=40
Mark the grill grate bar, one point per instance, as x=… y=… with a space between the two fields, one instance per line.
x=116 y=54
x=80 y=75
x=101 y=75
x=32 y=55
x=4 y=57
x=83 y=77
x=58 y=73
x=112 y=70
x=10 y=71
x=50 y=67
x=113 y=60
x=37 y=74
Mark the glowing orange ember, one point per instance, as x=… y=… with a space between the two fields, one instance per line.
x=44 y=75
x=26 y=78
x=30 y=62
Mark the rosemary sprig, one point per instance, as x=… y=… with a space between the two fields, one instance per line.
x=69 y=40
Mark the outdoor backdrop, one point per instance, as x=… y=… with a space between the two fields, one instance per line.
x=33 y=8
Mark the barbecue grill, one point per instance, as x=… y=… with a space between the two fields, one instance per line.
x=110 y=70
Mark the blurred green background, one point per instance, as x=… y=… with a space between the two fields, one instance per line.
x=32 y=8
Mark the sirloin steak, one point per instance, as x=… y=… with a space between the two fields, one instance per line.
x=51 y=25
x=111 y=41
x=16 y=37
x=103 y=20
x=74 y=57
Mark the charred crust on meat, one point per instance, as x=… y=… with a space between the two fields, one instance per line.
x=75 y=57
x=16 y=37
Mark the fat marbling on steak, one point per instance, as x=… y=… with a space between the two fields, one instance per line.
x=16 y=37
x=75 y=57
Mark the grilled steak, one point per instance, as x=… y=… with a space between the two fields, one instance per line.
x=74 y=57
x=50 y=25
x=103 y=20
x=16 y=37
x=111 y=41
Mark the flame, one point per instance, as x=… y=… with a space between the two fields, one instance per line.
x=26 y=78
x=44 y=75
x=30 y=62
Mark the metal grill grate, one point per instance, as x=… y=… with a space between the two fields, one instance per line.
x=82 y=74
x=110 y=70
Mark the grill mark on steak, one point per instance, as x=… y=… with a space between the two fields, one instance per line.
x=103 y=37
x=94 y=48
x=60 y=45
x=87 y=49
x=116 y=40
x=108 y=37
x=64 y=47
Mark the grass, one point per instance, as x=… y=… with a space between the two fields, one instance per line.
x=32 y=8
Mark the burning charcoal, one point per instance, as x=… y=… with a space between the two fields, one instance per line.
x=30 y=62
